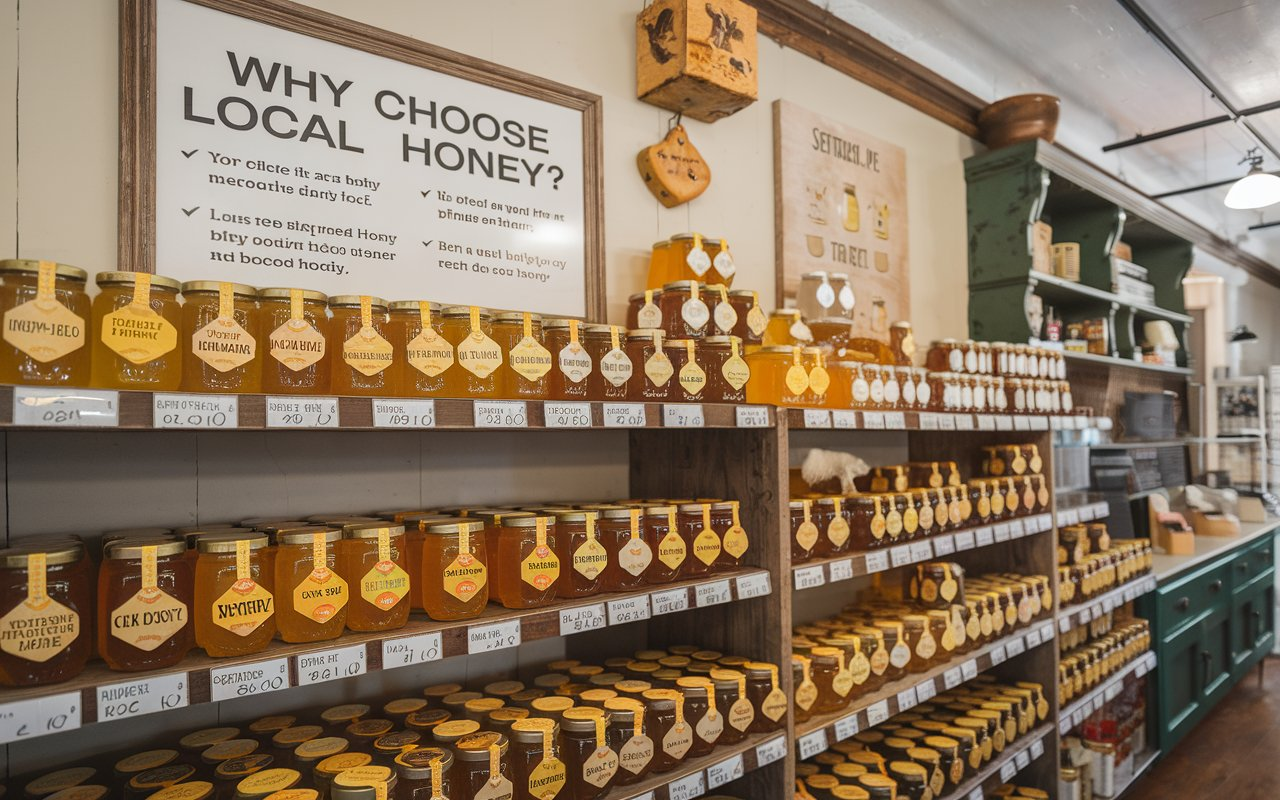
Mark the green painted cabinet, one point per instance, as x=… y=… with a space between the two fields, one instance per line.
x=1211 y=625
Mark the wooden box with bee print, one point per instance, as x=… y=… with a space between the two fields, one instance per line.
x=697 y=57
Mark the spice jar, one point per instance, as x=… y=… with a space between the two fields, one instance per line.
x=234 y=603
x=671 y=550
x=46 y=312
x=610 y=381
x=371 y=559
x=528 y=567
x=145 y=591
x=220 y=320
x=360 y=357
x=136 y=317
x=477 y=357
x=628 y=550
x=583 y=557
x=572 y=365
x=424 y=773
x=685 y=313
x=311 y=596
x=454 y=570
x=536 y=768
x=295 y=359
x=590 y=763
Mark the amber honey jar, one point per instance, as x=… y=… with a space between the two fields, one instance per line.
x=360 y=356
x=45 y=614
x=372 y=558
x=220 y=327
x=652 y=376
x=628 y=737
x=136 y=318
x=804 y=530
x=627 y=545
x=670 y=548
x=145 y=592
x=769 y=703
x=734 y=542
x=424 y=773
x=701 y=541
x=665 y=722
x=786 y=328
x=311 y=596
x=454 y=570
x=686 y=313
x=689 y=377
x=572 y=365
x=537 y=772
x=291 y=323
x=610 y=378
x=582 y=557
x=526 y=565
x=478 y=357
x=234 y=603
x=751 y=317
x=421 y=355
x=46 y=313
x=643 y=311
x=415 y=525
x=726 y=369
x=590 y=764
x=527 y=360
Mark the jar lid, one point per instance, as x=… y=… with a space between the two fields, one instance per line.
x=347 y=712
x=693 y=686
x=371 y=530
x=342 y=762
x=207 y=736
x=552 y=705
x=241 y=289
x=191 y=790
x=272 y=724
x=677 y=344
x=524 y=519
x=363 y=777
x=296 y=735
x=370 y=728
x=353 y=300
x=597 y=329
x=678 y=285
x=132 y=548
x=640 y=295
x=581 y=720
x=465 y=311
x=404 y=705
x=908 y=770
x=412 y=305
x=16 y=557
x=530 y=731
x=396 y=741
x=226 y=542
x=462 y=525
x=160 y=777
x=231 y=748
x=140 y=762
x=454 y=729
x=415 y=764
x=129 y=278
x=483 y=705
x=304 y=535
x=321 y=748
x=283 y=293
x=427 y=718
x=234 y=768
x=646 y=334
x=32 y=266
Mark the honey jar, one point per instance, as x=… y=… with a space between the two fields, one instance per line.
x=482 y=765
x=136 y=317
x=234 y=603
x=572 y=365
x=527 y=565
x=373 y=559
x=690 y=378
x=145 y=591
x=46 y=312
x=666 y=725
x=750 y=315
x=45 y=614
x=629 y=551
x=628 y=736
x=422 y=356
x=590 y=764
x=536 y=768
x=804 y=530
x=478 y=357
x=360 y=357
x=685 y=310
x=454 y=570
x=700 y=539
x=295 y=360
x=671 y=551
x=769 y=703
x=610 y=380
x=643 y=311
x=311 y=596
x=652 y=379
x=580 y=552
x=778 y=376
x=220 y=321
x=734 y=541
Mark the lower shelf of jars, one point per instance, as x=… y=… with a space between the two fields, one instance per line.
x=1016 y=757
x=100 y=694
x=695 y=777
x=819 y=732
x=1076 y=710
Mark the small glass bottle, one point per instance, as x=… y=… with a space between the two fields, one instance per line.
x=136 y=317
x=360 y=356
x=292 y=322
x=220 y=325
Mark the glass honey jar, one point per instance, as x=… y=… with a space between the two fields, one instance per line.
x=610 y=379
x=582 y=557
x=220 y=321
x=360 y=356
x=373 y=558
x=804 y=530
x=311 y=595
x=145 y=592
x=478 y=357
x=665 y=723
x=572 y=365
x=234 y=603
x=652 y=379
x=415 y=525
x=751 y=317
x=46 y=312
x=734 y=542
x=726 y=370
x=643 y=311
x=786 y=328
x=527 y=566
x=454 y=570
x=590 y=764
x=628 y=547
x=292 y=322
x=482 y=767
x=685 y=310
x=537 y=772
x=769 y=702
x=421 y=354
x=701 y=541
x=628 y=737
x=702 y=713
x=527 y=360
x=136 y=317
x=45 y=614
x=670 y=550
x=778 y=376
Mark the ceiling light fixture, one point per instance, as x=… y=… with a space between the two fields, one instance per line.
x=1258 y=189
x=1243 y=334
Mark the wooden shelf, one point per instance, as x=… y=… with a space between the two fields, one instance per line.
x=838 y=419
x=1006 y=765
x=1110 y=361
x=698 y=776
x=1077 y=615
x=1071 y=715
x=1060 y=290
x=834 y=569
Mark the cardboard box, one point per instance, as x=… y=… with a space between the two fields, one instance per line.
x=697 y=57
x=1213 y=524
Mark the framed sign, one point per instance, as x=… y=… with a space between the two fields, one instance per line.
x=275 y=145
x=841 y=205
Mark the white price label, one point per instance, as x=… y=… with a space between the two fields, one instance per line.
x=1097 y=703
x=631 y=609
x=841 y=570
x=1014 y=647
x=1068 y=517
x=1065 y=624
x=1046 y=632
x=965 y=541
x=817 y=418
x=40 y=716
x=984 y=537
x=302 y=412
x=1113 y=691
x=1101 y=509
x=409 y=650
x=876 y=562
x=670 y=601
x=964 y=422
x=952 y=678
x=500 y=413
x=752 y=416
x=771 y=751
x=809 y=577
x=688 y=787
x=1001 y=531
x=1108 y=603
x=331 y=665
x=1039 y=423
x=559 y=414
x=944 y=545
x=750 y=586
x=1077 y=717
x=1081 y=422
x=898 y=556
x=1021 y=423
x=812 y=744
x=1017 y=528
x=921 y=551
x=199 y=411
x=907 y=699
x=1057 y=423
x=713 y=594
x=1140 y=669
x=846 y=727
x=895 y=420
x=1022 y=759
x=646 y=796
x=146 y=696
x=406 y=414
x=928 y=421
x=631 y=415
x=1046 y=522
x=683 y=415
x=844 y=420
x=873 y=420
x=726 y=771
x=986 y=422
x=1064 y=726
x=1007 y=771
x=997 y=655
x=1150 y=660
x=926 y=691
x=877 y=713
x=244 y=680
x=969 y=669
x=947 y=422
x=65 y=408
x=1037 y=748
x=1004 y=422
x=1085 y=513
x=498 y=636
x=582 y=619
x=976 y=794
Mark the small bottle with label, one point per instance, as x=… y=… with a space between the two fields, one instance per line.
x=422 y=355
x=46 y=607
x=523 y=376
x=234 y=603
x=360 y=355
x=136 y=319
x=455 y=582
x=311 y=597
x=292 y=322
x=46 y=319
x=478 y=358
x=146 y=588
x=372 y=559
x=220 y=325
x=583 y=557
x=572 y=365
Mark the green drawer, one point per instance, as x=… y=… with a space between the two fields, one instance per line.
x=1184 y=602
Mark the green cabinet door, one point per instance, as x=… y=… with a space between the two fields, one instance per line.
x=1181 y=685
x=1257 y=624
x=1217 y=657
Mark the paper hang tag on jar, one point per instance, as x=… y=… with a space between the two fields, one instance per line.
x=735 y=370
x=649 y=315
x=477 y=352
x=673 y=170
x=845 y=298
x=741 y=714
x=499 y=788
x=575 y=361
x=697 y=258
x=615 y=365
x=774 y=705
x=819 y=379
x=657 y=368
x=223 y=343
x=636 y=754
x=797 y=377
x=806 y=695
x=756 y=319
x=671 y=550
x=135 y=332
x=706 y=545
x=725 y=316
x=825 y=295
x=43 y=328
x=692 y=377
x=151 y=616
x=296 y=343
x=548 y=778
x=678 y=740
x=695 y=313
x=723 y=261
x=710 y=726
x=635 y=556
x=600 y=767
x=800 y=331
x=366 y=351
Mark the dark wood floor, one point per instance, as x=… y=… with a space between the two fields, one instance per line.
x=1234 y=753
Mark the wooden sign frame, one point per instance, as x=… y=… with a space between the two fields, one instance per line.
x=136 y=245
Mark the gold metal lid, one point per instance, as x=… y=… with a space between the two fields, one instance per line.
x=412 y=305
x=518 y=316
x=304 y=535
x=649 y=334
x=241 y=289
x=226 y=542
x=32 y=266
x=350 y=300
x=525 y=519
x=133 y=547
x=281 y=293
x=465 y=311
x=475 y=746
x=461 y=526
x=129 y=278
x=414 y=764
x=16 y=557
x=371 y=530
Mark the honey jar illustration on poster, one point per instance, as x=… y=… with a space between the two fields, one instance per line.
x=882 y=218
x=852 y=214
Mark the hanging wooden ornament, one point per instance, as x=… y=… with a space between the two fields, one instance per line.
x=673 y=169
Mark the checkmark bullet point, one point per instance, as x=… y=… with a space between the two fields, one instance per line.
x=191 y=211
x=428 y=243
x=427 y=193
x=189 y=153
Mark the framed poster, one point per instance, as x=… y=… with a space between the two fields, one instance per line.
x=840 y=205
x=275 y=145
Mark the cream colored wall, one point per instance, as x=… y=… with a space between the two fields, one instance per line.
x=65 y=184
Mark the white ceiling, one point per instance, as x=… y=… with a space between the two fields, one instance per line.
x=1115 y=81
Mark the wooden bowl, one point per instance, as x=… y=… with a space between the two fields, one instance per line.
x=1020 y=118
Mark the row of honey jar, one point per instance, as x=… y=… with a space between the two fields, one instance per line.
x=232 y=590
x=996 y=358
x=828 y=526
x=1084 y=667
x=574 y=733
x=837 y=660
x=1103 y=571
x=929 y=751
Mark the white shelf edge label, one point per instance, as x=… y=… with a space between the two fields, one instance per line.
x=726 y=771
x=627 y=415
x=560 y=414
x=332 y=665
x=964 y=540
x=969 y=669
x=195 y=411
x=683 y=415
x=895 y=420
x=688 y=787
x=811 y=744
x=840 y=570
x=145 y=696
x=500 y=413
x=670 y=601
x=900 y=555
x=496 y=636
x=750 y=586
x=844 y=420
x=245 y=680
x=846 y=727
x=952 y=678
x=944 y=545
x=873 y=420
x=877 y=713
x=582 y=619
x=406 y=413
x=65 y=408
x=302 y=412
x=751 y=416
x=40 y=716
x=809 y=577
x=876 y=562
x=817 y=418
x=630 y=609
x=714 y=593
x=771 y=751
x=406 y=651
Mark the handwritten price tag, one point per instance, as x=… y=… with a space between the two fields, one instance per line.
x=926 y=691
x=876 y=562
x=713 y=594
x=500 y=414
x=683 y=415
x=921 y=551
x=566 y=415
x=330 y=665
x=297 y=412
x=944 y=545
x=1017 y=529
x=846 y=727
x=872 y=420
x=907 y=699
x=812 y=744
x=817 y=418
x=245 y=680
x=65 y=408
x=976 y=794
x=952 y=678
x=947 y=422
x=750 y=586
x=1022 y=759
x=844 y=420
x=1021 y=423
x=964 y=422
x=40 y=716
x=841 y=570
x=1001 y=531
x=498 y=636
x=895 y=420
x=986 y=422
x=997 y=655
x=752 y=416
x=632 y=609
x=409 y=650
x=984 y=537
x=670 y=601
x=195 y=411
x=688 y=787
x=405 y=414
x=964 y=540
x=1037 y=748
x=582 y=619
x=877 y=713
x=1013 y=648
x=726 y=771
x=1039 y=423
x=809 y=577
x=901 y=555
x=1008 y=770
x=928 y=421
x=146 y=696
x=771 y=751
x=1004 y=422
x=628 y=415
x=1033 y=638
x=969 y=669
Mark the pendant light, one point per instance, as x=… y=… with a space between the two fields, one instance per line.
x=1241 y=333
x=1258 y=189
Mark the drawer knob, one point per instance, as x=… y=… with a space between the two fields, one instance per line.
x=1216 y=586
x=1242 y=566
x=1183 y=603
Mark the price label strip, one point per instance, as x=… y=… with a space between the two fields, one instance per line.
x=302 y=412
x=331 y=665
x=841 y=570
x=751 y=416
x=630 y=415
x=844 y=420
x=65 y=408
x=876 y=562
x=146 y=696
x=632 y=609
x=195 y=411
x=817 y=418
x=688 y=787
x=846 y=727
x=566 y=415
x=750 y=586
x=726 y=771
x=714 y=593
x=582 y=619
x=39 y=716
x=409 y=650
x=407 y=414
x=496 y=636
x=670 y=601
x=812 y=744
x=500 y=414
x=683 y=415
x=771 y=751
x=809 y=577
x=245 y=680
